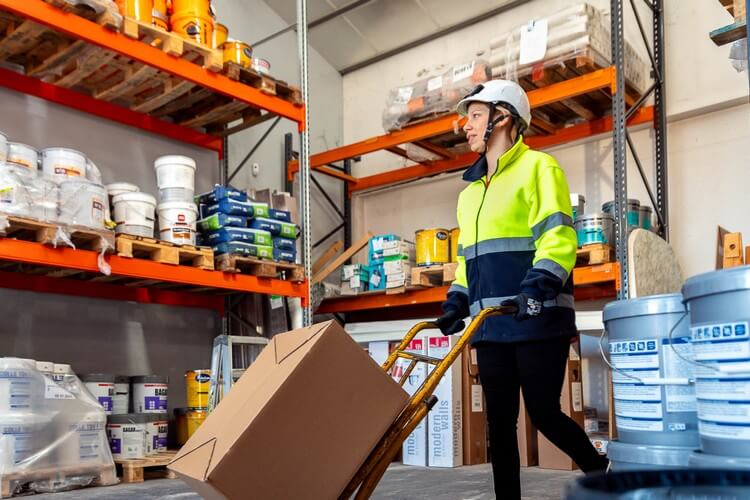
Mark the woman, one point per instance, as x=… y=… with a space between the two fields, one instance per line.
x=517 y=247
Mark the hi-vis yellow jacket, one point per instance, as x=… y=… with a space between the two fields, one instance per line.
x=516 y=236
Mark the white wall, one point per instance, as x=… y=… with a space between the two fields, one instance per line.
x=699 y=80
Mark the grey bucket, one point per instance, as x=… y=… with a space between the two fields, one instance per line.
x=628 y=456
x=664 y=411
x=719 y=305
x=690 y=484
x=706 y=461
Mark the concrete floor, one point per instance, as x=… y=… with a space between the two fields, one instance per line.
x=400 y=483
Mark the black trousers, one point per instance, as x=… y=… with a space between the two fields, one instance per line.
x=538 y=369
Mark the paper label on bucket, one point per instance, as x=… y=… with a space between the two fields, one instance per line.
x=67 y=170
x=679 y=398
x=639 y=404
x=724 y=430
x=54 y=391
x=721 y=342
x=640 y=424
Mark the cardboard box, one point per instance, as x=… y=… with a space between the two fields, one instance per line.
x=474 y=414
x=528 y=445
x=414 y=450
x=397 y=267
x=571 y=401
x=402 y=249
x=377 y=278
x=444 y=426
x=297 y=425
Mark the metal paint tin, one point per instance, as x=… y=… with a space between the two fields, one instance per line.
x=432 y=246
x=455 y=233
x=239 y=53
x=197 y=383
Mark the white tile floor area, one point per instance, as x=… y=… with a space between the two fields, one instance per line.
x=400 y=483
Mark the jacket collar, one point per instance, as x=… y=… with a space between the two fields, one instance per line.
x=479 y=168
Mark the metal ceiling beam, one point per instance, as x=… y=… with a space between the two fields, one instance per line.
x=432 y=36
x=328 y=17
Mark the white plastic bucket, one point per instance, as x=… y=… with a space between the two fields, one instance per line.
x=16 y=191
x=45 y=194
x=3 y=147
x=92 y=172
x=20 y=439
x=21 y=388
x=134 y=214
x=150 y=393
x=175 y=176
x=63 y=163
x=23 y=155
x=127 y=435
x=177 y=222
x=121 y=187
x=82 y=203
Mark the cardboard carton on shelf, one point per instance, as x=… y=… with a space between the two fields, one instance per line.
x=297 y=425
x=474 y=414
x=415 y=447
x=444 y=425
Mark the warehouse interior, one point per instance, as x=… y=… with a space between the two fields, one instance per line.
x=291 y=177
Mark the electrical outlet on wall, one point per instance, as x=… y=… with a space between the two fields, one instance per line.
x=256 y=169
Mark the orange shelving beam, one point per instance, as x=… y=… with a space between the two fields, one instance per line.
x=83 y=29
x=596 y=80
x=85 y=260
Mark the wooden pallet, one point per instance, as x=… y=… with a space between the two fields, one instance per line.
x=261 y=268
x=595 y=254
x=74 y=64
x=434 y=275
x=22 y=228
x=152 y=467
x=140 y=247
x=14 y=483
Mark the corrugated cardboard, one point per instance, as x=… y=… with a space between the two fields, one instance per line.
x=297 y=425
x=528 y=446
x=571 y=401
x=444 y=426
x=474 y=414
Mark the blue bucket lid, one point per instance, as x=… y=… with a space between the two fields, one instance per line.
x=644 y=306
x=725 y=280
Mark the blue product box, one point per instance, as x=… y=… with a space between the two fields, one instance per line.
x=375 y=247
x=244 y=249
x=218 y=193
x=217 y=221
x=284 y=255
x=377 y=278
x=281 y=215
x=284 y=243
x=243 y=234
x=231 y=207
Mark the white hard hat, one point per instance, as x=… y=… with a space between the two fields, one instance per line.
x=497 y=93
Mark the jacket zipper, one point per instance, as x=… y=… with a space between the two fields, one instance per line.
x=476 y=239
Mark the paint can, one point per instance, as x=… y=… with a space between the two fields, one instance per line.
x=45 y=197
x=121 y=398
x=20 y=439
x=83 y=442
x=16 y=191
x=23 y=155
x=3 y=148
x=21 y=389
x=644 y=217
x=175 y=176
x=631 y=457
x=60 y=371
x=432 y=246
x=578 y=204
x=239 y=53
x=595 y=228
x=83 y=203
x=156 y=433
x=64 y=163
x=127 y=435
x=150 y=393
x=455 y=233
x=181 y=425
x=46 y=368
x=160 y=15
x=102 y=387
x=654 y=395
x=140 y=10
x=195 y=418
x=634 y=216
x=221 y=35
x=719 y=317
x=262 y=66
x=706 y=461
x=134 y=214
x=93 y=173
x=192 y=19
x=197 y=383
x=177 y=222
x=120 y=188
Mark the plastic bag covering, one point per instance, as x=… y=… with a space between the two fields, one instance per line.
x=738 y=55
x=432 y=95
x=52 y=435
x=26 y=193
x=579 y=31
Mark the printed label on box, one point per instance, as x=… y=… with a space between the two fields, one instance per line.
x=477 y=401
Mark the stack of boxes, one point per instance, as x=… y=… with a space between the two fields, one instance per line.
x=390 y=260
x=354 y=279
x=232 y=223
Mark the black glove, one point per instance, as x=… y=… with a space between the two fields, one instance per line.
x=450 y=322
x=528 y=306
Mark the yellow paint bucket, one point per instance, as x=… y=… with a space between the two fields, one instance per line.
x=140 y=10
x=197 y=383
x=454 y=244
x=433 y=247
x=238 y=53
x=159 y=16
x=195 y=418
x=181 y=425
x=192 y=19
x=221 y=33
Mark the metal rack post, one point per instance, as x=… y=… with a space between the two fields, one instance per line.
x=304 y=158
x=660 y=121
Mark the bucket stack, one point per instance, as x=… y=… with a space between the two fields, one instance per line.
x=187 y=420
x=178 y=213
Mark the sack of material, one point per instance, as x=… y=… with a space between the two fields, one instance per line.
x=297 y=425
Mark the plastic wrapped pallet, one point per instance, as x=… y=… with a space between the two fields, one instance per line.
x=432 y=95
x=52 y=434
x=579 y=33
